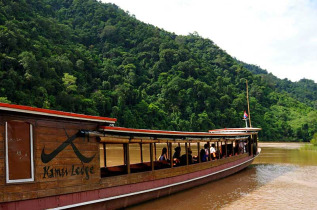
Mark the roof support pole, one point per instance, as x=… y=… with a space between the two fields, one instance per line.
x=209 y=154
x=170 y=154
x=198 y=149
x=217 y=151
x=226 y=148
x=104 y=154
x=186 y=149
x=152 y=156
x=127 y=157
x=141 y=152
x=155 y=151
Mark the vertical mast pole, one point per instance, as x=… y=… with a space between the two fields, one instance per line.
x=248 y=104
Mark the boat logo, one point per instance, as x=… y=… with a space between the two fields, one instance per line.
x=48 y=157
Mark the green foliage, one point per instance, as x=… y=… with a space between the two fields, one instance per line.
x=304 y=90
x=4 y=100
x=69 y=82
x=90 y=57
x=314 y=140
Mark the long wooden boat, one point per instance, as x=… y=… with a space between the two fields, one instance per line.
x=53 y=159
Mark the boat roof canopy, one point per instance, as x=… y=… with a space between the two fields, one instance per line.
x=235 y=130
x=54 y=113
x=110 y=130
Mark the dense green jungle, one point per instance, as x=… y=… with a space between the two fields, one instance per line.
x=90 y=57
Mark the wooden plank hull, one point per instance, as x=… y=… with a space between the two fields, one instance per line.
x=130 y=194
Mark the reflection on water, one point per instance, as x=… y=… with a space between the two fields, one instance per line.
x=279 y=178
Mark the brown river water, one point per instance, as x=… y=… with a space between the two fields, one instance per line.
x=282 y=177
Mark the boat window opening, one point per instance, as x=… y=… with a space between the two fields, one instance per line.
x=126 y=158
x=194 y=149
x=113 y=163
x=161 y=164
x=229 y=148
x=135 y=153
x=19 y=152
x=146 y=152
x=140 y=157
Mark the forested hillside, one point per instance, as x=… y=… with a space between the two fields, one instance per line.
x=93 y=58
x=305 y=90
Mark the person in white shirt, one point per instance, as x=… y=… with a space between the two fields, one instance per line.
x=213 y=151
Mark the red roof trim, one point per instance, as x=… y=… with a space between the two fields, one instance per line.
x=33 y=110
x=162 y=132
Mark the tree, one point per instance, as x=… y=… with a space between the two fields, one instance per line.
x=314 y=140
x=69 y=82
x=4 y=100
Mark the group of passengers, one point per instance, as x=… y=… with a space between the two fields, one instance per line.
x=177 y=157
x=204 y=153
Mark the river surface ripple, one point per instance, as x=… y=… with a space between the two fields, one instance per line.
x=282 y=177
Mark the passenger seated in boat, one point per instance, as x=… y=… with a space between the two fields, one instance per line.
x=241 y=145
x=203 y=155
x=218 y=156
x=213 y=151
x=163 y=155
x=177 y=155
x=190 y=158
x=206 y=152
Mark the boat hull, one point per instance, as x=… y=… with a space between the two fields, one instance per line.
x=131 y=194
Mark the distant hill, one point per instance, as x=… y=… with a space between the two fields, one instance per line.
x=90 y=57
x=304 y=90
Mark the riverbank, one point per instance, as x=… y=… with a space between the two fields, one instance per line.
x=283 y=145
x=309 y=147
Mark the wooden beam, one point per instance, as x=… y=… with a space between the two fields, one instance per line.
x=141 y=152
x=218 y=150
x=127 y=158
x=256 y=140
x=104 y=154
x=123 y=139
x=226 y=149
x=151 y=156
x=186 y=149
x=198 y=148
x=252 y=143
x=209 y=154
x=171 y=155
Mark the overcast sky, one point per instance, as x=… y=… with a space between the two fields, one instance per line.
x=277 y=35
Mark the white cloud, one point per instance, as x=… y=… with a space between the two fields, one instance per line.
x=280 y=36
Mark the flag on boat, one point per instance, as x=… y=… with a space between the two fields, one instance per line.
x=245 y=115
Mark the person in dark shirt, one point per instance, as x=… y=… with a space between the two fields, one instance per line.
x=190 y=158
x=177 y=155
x=203 y=155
